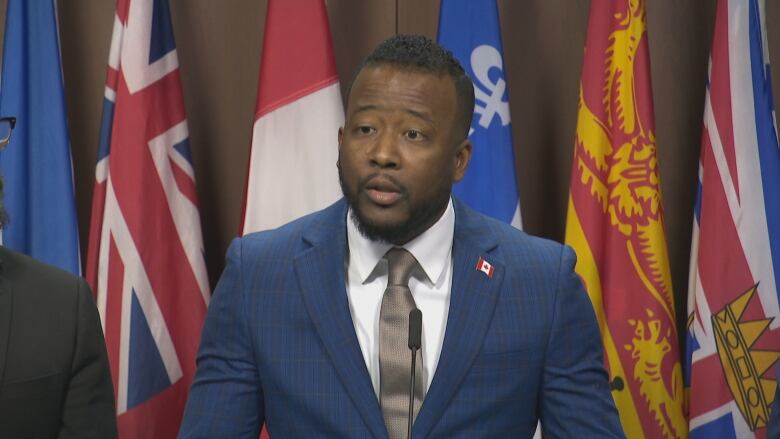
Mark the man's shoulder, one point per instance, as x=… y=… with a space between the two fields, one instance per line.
x=20 y=268
x=37 y=285
x=289 y=238
x=513 y=241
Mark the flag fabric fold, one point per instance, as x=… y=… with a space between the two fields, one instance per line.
x=732 y=338
x=471 y=30
x=615 y=223
x=145 y=259
x=36 y=166
x=292 y=164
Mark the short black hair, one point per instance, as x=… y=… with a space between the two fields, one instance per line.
x=419 y=53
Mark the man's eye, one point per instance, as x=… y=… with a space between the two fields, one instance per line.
x=365 y=130
x=414 y=135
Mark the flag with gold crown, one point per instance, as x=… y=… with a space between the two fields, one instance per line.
x=732 y=335
x=615 y=223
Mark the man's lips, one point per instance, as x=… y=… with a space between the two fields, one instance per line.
x=383 y=198
x=382 y=192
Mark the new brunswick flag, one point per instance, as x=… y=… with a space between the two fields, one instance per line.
x=615 y=222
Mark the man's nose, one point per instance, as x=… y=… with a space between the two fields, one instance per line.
x=384 y=152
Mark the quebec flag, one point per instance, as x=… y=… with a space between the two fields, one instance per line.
x=470 y=29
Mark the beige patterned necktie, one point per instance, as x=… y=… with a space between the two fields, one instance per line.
x=394 y=353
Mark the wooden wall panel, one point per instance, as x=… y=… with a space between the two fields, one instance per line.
x=679 y=36
x=543 y=55
x=219 y=46
x=85 y=37
x=418 y=17
x=357 y=27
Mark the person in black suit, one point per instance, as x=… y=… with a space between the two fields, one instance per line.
x=54 y=375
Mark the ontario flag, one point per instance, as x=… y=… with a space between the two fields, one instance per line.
x=733 y=340
x=615 y=223
x=145 y=259
x=292 y=164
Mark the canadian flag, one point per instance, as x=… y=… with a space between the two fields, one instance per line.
x=485 y=267
x=292 y=164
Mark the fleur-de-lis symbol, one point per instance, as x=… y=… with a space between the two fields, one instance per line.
x=489 y=95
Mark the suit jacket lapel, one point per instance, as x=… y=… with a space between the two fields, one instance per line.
x=5 y=320
x=472 y=302
x=320 y=270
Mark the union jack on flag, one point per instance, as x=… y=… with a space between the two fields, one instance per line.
x=733 y=341
x=145 y=260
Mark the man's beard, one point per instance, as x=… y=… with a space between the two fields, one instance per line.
x=425 y=214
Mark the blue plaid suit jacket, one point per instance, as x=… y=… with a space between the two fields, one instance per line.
x=279 y=345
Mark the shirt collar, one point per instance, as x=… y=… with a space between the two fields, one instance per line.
x=432 y=248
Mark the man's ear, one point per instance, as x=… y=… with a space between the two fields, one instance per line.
x=341 y=135
x=462 y=158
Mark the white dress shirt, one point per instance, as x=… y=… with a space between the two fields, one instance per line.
x=367 y=279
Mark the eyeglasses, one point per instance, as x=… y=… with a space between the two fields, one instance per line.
x=6 y=126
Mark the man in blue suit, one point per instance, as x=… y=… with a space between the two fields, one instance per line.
x=294 y=334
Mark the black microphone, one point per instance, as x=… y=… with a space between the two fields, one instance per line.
x=415 y=342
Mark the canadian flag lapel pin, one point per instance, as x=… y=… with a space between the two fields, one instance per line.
x=485 y=267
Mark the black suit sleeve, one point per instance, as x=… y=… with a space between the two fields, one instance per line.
x=88 y=409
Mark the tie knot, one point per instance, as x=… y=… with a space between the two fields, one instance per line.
x=400 y=264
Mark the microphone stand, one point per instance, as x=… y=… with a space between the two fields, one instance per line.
x=411 y=393
x=415 y=341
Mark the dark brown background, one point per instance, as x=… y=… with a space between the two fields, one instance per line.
x=219 y=51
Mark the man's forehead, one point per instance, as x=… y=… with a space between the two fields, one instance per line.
x=390 y=80
x=421 y=94
x=389 y=68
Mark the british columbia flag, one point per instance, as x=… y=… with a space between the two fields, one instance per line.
x=145 y=260
x=733 y=341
